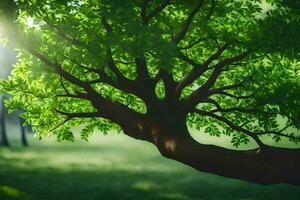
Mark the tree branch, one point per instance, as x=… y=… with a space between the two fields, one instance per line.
x=232 y=126
x=279 y=133
x=193 y=43
x=80 y=65
x=211 y=10
x=220 y=90
x=142 y=70
x=123 y=85
x=254 y=135
x=188 y=22
x=203 y=92
x=157 y=10
x=169 y=83
x=71 y=40
x=79 y=115
x=78 y=95
x=110 y=61
x=198 y=69
x=106 y=25
x=70 y=116
x=144 y=11
x=235 y=96
x=113 y=67
x=246 y=109
x=113 y=111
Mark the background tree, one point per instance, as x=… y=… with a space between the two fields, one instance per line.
x=22 y=130
x=155 y=68
x=7 y=59
x=3 y=135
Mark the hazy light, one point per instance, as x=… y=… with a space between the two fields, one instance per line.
x=265 y=6
x=30 y=22
x=2 y=29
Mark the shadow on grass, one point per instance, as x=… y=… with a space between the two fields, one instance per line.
x=116 y=168
x=47 y=183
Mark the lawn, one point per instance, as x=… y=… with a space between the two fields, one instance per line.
x=115 y=167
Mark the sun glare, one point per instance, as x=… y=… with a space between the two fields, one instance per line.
x=30 y=22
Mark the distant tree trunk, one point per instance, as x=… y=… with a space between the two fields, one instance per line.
x=29 y=129
x=3 y=137
x=23 y=132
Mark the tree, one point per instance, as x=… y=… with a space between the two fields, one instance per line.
x=3 y=136
x=154 y=68
x=23 y=132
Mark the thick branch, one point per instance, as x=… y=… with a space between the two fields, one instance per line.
x=267 y=166
x=113 y=67
x=274 y=165
x=110 y=61
x=203 y=92
x=79 y=115
x=170 y=85
x=142 y=70
x=116 y=112
x=91 y=93
x=198 y=69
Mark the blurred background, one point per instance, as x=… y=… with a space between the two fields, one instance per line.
x=108 y=167
x=7 y=59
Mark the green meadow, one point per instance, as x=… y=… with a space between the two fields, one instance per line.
x=115 y=167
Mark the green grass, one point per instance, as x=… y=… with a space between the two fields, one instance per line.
x=115 y=167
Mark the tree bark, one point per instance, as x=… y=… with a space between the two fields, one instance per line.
x=3 y=136
x=263 y=166
x=23 y=132
x=267 y=166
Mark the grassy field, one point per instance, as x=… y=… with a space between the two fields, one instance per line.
x=115 y=167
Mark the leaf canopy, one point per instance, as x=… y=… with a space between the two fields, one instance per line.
x=82 y=35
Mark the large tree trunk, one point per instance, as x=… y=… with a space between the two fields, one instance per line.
x=3 y=137
x=170 y=135
x=265 y=166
